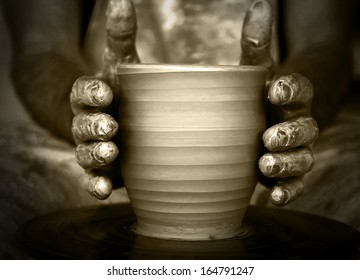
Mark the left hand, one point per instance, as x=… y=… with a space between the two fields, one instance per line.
x=288 y=141
x=95 y=126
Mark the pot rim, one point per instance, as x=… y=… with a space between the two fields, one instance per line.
x=152 y=68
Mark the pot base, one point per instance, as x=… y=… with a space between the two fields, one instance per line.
x=105 y=233
x=182 y=233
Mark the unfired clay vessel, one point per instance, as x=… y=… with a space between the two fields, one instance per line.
x=190 y=143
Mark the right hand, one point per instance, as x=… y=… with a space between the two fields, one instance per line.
x=91 y=96
x=293 y=129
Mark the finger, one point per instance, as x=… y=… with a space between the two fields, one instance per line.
x=98 y=186
x=256 y=35
x=93 y=127
x=89 y=93
x=286 y=190
x=96 y=154
x=295 y=162
x=292 y=90
x=100 y=182
x=121 y=29
x=291 y=134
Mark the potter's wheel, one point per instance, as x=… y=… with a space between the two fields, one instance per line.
x=104 y=233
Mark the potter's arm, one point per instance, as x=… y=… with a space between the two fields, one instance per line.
x=91 y=96
x=47 y=47
x=47 y=59
x=315 y=40
x=315 y=43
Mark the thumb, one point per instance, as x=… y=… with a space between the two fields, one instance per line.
x=256 y=35
x=121 y=30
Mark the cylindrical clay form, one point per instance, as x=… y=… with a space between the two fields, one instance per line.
x=190 y=139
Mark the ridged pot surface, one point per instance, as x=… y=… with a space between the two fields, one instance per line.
x=190 y=143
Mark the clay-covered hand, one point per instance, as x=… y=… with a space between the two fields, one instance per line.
x=289 y=140
x=91 y=97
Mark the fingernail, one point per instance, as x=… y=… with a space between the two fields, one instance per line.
x=279 y=197
x=105 y=152
x=285 y=192
x=269 y=165
x=102 y=188
x=293 y=88
x=282 y=93
x=105 y=127
x=281 y=137
x=286 y=92
x=101 y=94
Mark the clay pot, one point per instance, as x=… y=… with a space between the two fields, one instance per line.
x=190 y=144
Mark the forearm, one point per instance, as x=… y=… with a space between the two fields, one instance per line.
x=43 y=82
x=329 y=69
x=315 y=38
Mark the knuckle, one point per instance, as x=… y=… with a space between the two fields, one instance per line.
x=81 y=155
x=76 y=94
x=75 y=127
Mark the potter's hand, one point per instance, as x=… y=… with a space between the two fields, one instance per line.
x=92 y=128
x=288 y=141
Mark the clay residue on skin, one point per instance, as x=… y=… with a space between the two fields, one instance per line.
x=89 y=93
x=294 y=89
x=277 y=195
x=96 y=126
x=283 y=92
x=96 y=154
x=268 y=165
x=286 y=191
x=101 y=94
x=105 y=153
x=291 y=134
x=101 y=126
x=288 y=163
x=99 y=187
